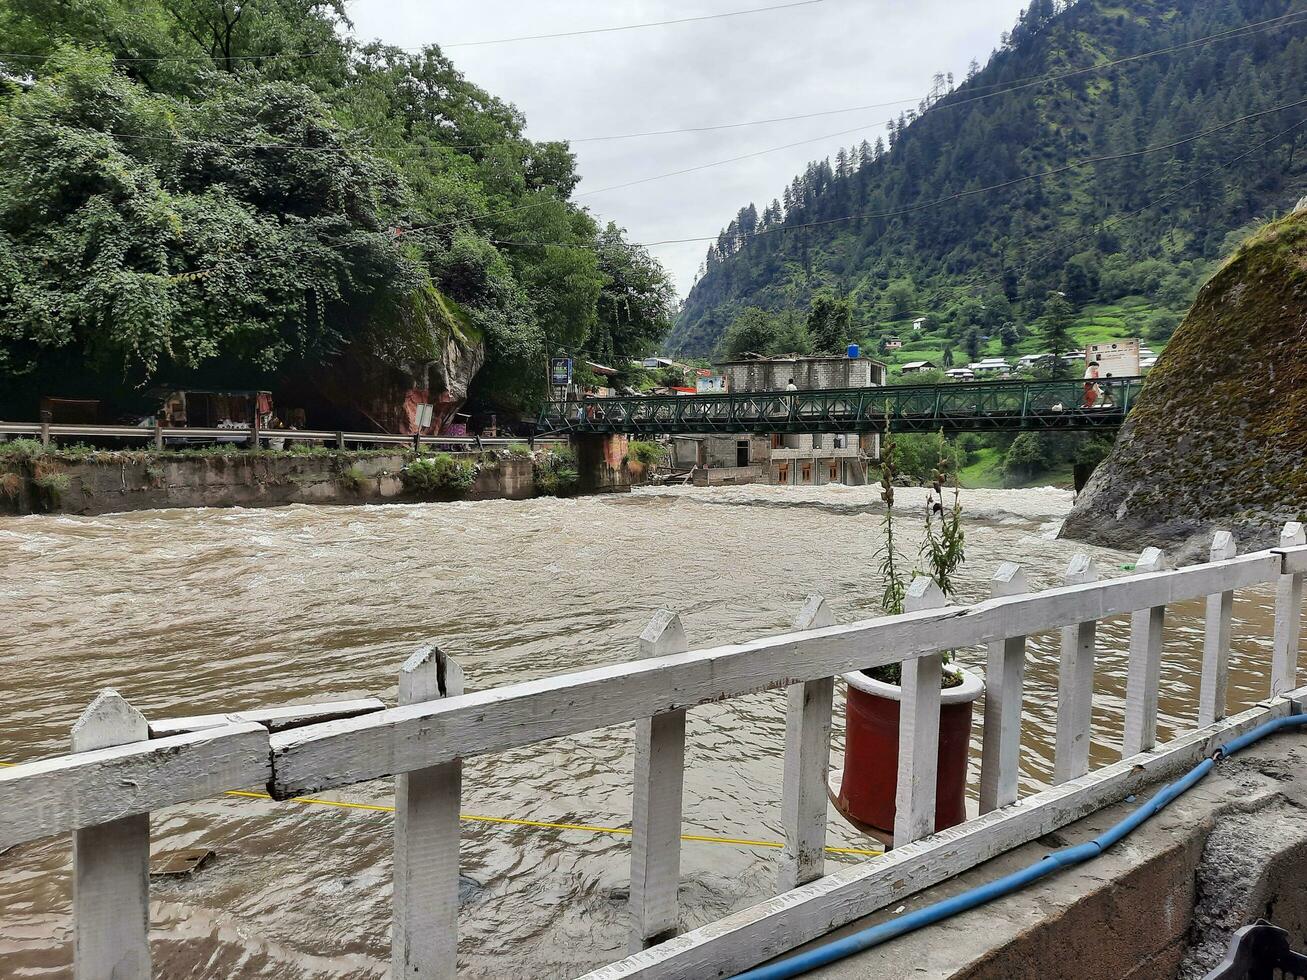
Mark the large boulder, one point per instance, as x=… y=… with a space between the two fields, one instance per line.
x=1218 y=438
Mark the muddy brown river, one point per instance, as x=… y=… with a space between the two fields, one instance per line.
x=188 y=612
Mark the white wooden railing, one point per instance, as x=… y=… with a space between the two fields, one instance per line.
x=122 y=768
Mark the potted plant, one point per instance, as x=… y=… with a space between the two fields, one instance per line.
x=865 y=794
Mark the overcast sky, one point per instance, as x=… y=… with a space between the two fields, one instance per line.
x=830 y=55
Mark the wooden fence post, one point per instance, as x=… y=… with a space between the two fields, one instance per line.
x=1145 y=666
x=1216 y=640
x=1005 y=664
x=914 y=799
x=1075 y=684
x=656 y=807
x=158 y=433
x=424 y=934
x=1288 y=618
x=111 y=863
x=340 y=441
x=46 y=416
x=807 y=758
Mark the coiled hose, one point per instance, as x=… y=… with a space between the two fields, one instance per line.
x=1063 y=858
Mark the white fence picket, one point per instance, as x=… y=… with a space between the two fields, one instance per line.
x=656 y=808
x=1075 y=684
x=111 y=863
x=807 y=759
x=1288 y=617
x=1005 y=665
x=914 y=801
x=1216 y=640
x=1144 y=672
x=424 y=930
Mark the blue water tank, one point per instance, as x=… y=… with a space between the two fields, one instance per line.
x=854 y=352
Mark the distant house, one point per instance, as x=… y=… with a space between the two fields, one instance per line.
x=961 y=374
x=916 y=367
x=990 y=365
x=893 y=343
x=1030 y=360
x=919 y=323
x=654 y=363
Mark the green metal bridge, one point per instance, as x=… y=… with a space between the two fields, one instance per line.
x=973 y=406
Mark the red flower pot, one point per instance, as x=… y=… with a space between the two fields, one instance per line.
x=871 y=752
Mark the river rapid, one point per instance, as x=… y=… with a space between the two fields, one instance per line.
x=196 y=611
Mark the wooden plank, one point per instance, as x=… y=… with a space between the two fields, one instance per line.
x=807 y=759
x=70 y=792
x=1145 y=669
x=424 y=930
x=656 y=807
x=111 y=863
x=1005 y=665
x=914 y=795
x=1216 y=640
x=276 y=719
x=339 y=753
x=1075 y=684
x=752 y=936
x=1288 y=617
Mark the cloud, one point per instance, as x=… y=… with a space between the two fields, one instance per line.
x=832 y=55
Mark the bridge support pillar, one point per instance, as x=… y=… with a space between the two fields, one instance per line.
x=601 y=462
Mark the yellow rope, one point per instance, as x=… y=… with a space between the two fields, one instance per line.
x=541 y=824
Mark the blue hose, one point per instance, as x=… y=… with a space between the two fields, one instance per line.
x=1063 y=858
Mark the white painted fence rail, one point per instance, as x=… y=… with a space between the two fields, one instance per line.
x=117 y=774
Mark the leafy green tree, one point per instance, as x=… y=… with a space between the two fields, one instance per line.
x=830 y=324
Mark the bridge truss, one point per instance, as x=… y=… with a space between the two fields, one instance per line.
x=984 y=406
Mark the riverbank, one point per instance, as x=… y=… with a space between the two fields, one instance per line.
x=93 y=482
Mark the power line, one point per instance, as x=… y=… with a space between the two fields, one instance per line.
x=925 y=205
x=997 y=89
x=452 y=44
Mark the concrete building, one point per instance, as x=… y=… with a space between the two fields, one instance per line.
x=916 y=367
x=796 y=459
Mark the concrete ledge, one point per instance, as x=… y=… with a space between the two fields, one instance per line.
x=1162 y=903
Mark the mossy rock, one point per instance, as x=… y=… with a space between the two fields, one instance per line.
x=1218 y=438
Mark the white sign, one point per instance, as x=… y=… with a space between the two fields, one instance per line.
x=1114 y=359
x=716 y=383
x=423 y=416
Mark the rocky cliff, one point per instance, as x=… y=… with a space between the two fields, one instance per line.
x=1219 y=436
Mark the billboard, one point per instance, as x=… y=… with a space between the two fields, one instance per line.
x=1113 y=359
x=560 y=371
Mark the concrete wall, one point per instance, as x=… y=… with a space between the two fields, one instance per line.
x=1161 y=905
x=808 y=373
x=115 y=482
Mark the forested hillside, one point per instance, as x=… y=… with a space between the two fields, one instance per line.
x=1037 y=174
x=232 y=192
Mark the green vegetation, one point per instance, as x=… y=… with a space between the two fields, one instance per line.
x=238 y=193
x=439 y=475
x=353 y=479
x=51 y=487
x=646 y=453
x=982 y=269
x=556 y=474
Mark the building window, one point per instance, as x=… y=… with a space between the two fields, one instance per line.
x=807 y=472
x=776 y=440
x=783 y=473
x=834 y=471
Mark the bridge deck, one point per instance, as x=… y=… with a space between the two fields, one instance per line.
x=982 y=406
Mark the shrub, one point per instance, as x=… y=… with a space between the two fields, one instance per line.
x=51 y=487
x=647 y=453
x=519 y=449
x=22 y=449
x=440 y=474
x=556 y=474
x=11 y=484
x=353 y=479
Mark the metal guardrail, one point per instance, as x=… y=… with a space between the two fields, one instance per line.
x=162 y=435
x=982 y=406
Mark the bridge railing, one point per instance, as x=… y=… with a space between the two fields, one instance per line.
x=955 y=405
x=162 y=436
x=117 y=774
